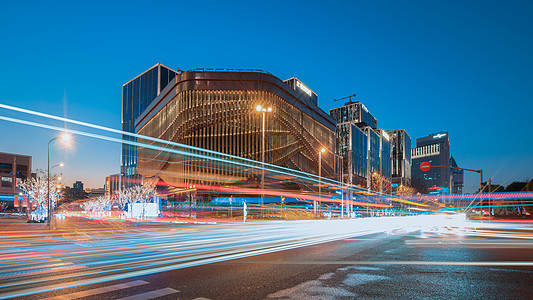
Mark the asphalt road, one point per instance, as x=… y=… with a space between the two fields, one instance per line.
x=482 y=261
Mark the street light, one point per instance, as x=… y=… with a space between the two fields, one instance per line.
x=264 y=110
x=340 y=158
x=323 y=150
x=65 y=137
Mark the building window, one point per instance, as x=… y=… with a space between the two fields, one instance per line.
x=7 y=182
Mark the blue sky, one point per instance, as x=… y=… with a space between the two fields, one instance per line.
x=425 y=66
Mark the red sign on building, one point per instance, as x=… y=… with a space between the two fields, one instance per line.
x=425 y=166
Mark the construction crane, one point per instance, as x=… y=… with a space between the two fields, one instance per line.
x=347 y=97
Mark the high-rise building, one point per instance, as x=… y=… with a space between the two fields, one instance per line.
x=352 y=147
x=372 y=153
x=78 y=186
x=137 y=94
x=354 y=112
x=385 y=152
x=401 y=157
x=366 y=150
x=434 y=149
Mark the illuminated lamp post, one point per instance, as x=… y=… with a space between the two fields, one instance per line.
x=341 y=175
x=322 y=150
x=259 y=108
x=65 y=137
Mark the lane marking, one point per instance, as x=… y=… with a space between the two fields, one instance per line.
x=431 y=263
x=152 y=294
x=97 y=291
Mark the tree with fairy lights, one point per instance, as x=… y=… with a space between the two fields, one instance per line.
x=140 y=193
x=36 y=188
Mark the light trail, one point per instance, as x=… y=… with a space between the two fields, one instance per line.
x=134 y=254
x=307 y=178
x=251 y=163
x=472 y=196
x=190 y=151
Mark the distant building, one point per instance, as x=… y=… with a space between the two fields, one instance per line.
x=112 y=184
x=457 y=178
x=351 y=145
x=372 y=153
x=78 y=186
x=13 y=169
x=434 y=149
x=366 y=149
x=98 y=192
x=354 y=112
x=137 y=94
x=401 y=157
x=385 y=152
x=74 y=193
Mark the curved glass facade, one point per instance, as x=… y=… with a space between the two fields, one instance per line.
x=217 y=111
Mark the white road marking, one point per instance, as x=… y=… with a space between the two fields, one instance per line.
x=98 y=290
x=152 y=294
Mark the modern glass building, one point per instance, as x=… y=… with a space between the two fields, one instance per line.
x=385 y=163
x=137 y=94
x=352 y=146
x=216 y=110
x=434 y=149
x=364 y=148
x=401 y=157
x=355 y=112
x=373 y=152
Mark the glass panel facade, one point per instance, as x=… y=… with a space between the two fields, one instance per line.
x=373 y=150
x=352 y=146
x=136 y=96
x=386 y=161
x=354 y=112
x=401 y=156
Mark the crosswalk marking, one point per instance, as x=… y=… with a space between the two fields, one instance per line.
x=152 y=294
x=98 y=290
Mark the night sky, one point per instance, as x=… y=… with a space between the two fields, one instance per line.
x=426 y=66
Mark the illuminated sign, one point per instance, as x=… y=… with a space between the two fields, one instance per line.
x=303 y=87
x=364 y=107
x=439 y=135
x=385 y=135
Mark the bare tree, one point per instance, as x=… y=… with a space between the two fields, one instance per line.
x=97 y=205
x=380 y=183
x=36 y=188
x=143 y=193
x=404 y=190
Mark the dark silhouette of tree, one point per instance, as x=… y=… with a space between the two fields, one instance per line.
x=515 y=186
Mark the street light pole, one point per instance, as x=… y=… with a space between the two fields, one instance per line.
x=263 y=110
x=319 y=177
x=65 y=137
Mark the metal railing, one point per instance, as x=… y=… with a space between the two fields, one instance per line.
x=228 y=70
